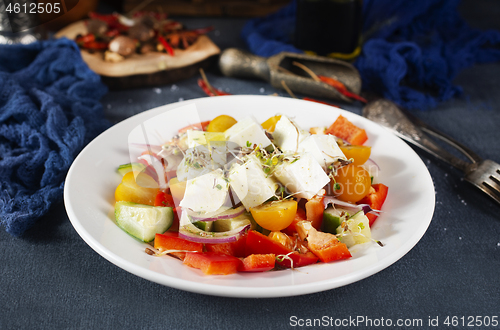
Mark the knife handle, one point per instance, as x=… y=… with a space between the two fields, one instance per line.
x=238 y=63
x=388 y=114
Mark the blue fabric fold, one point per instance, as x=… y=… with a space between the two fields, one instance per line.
x=49 y=110
x=411 y=50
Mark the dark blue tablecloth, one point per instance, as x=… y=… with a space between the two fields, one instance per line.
x=51 y=278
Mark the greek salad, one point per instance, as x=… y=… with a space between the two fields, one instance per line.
x=228 y=195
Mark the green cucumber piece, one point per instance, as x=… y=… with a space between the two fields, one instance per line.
x=143 y=221
x=332 y=219
x=204 y=225
x=359 y=230
x=125 y=168
x=223 y=225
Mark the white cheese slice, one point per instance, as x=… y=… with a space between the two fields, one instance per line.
x=249 y=182
x=303 y=176
x=206 y=193
x=197 y=161
x=287 y=135
x=247 y=130
x=323 y=148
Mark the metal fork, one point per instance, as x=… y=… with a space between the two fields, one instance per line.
x=484 y=174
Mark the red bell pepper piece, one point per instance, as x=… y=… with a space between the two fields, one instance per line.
x=164 y=198
x=330 y=251
x=346 y=130
x=261 y=244
x=258 y=263
x=375 y=199
x=235 y=249
x=213 y=263
x=171 y=241
x=340 y=87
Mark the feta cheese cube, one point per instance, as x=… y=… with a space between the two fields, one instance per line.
x=198 y=161
x=206 y=193
x=287 y=135
x=302 y=175
x=249 y=182
x=247 y=130
x=323 y=148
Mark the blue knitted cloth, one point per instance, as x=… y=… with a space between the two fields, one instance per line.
x=412 y=50
x=49 y=110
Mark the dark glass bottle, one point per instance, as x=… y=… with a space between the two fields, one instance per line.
x=329 y=26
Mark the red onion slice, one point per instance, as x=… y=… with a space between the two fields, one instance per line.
x=192 y=233
x=365 y=207
x=225 y=214
x=158 y=167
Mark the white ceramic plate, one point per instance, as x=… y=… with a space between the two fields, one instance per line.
x=408 y=210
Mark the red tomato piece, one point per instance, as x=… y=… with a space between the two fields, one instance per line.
x=261 y=244
x=375 y=199
x=212 y=263
x=164 y=199
x=299 y=216
x=235 y=249
x=346 y=130
x=171 y=241
x=258 y=263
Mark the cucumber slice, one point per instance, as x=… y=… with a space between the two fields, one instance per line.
x=143 y=221
x=223 y=225
x=332 y=219
x=125 y=168
x=204 y=225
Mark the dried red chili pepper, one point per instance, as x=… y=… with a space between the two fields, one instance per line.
x=340 y=87
x=166 y=45
x=210 y=91
x=86 y=38
x=95 y=45
x=110 y=18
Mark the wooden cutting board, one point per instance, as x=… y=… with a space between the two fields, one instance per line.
x=152 y=69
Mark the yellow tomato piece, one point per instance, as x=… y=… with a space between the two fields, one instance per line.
x=281 y=238
x=270 y=124
x=275 y=216
x=177 y=188
x=221 y=123
x=359 y=154
x=352 y=183
x=140 y=190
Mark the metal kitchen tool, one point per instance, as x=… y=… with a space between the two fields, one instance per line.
x=237 y=63
x=484 y=174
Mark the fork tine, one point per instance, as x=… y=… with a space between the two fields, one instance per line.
x=491 y=191
x=486 y=176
